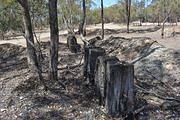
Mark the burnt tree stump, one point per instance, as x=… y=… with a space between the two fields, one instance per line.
x=91 y=55
x=86 y=54
x=72 y=44
x=100 y=76
x=119 y=92
x=92 y=41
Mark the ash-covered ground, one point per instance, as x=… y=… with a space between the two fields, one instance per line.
x=157 y=83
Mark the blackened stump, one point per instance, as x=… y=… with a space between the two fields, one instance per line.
x=86 y=54
x=92 y=41
x=72 y=44
x=71 y=40
x=119 y=92
x=93 y=54
x=100 y=76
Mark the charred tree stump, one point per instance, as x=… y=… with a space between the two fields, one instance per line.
x=91 y=55
x=86 y=54
x=72 y=44
x=92 y=41
x=119 y=92
x=100 y=76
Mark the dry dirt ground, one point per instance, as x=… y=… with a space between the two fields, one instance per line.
x=157 y=71
x=115 y=30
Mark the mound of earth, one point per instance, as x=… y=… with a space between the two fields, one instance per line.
x=113 y=31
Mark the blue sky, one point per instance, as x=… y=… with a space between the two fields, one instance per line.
x=107 y=3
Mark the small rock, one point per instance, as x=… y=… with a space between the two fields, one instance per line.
x=21 y=98
x=169 y=66
x=3 y=110
x=20 y=114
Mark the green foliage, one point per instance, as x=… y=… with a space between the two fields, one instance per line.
x=39 y=13
x=70 y=12
x=10 y=17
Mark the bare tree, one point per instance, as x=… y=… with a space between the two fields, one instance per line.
x=53 y=20
x=163 y=24
x=31 y=51
x=128 y=13
x=102 y=19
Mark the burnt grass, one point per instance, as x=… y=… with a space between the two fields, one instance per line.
x=22 y=96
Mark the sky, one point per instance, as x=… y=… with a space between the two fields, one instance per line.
x=107 y=3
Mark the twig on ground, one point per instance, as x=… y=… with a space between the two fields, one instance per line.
x=157 y=95
x=70 y=67
x=81 y=60
x=145 y=107
x=145 y=54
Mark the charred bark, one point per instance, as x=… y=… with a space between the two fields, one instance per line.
x=120 y=81
x=92 y=41
x=72 y=44
x=128 y=13
x=86 y=55
x=91 y=53
x=82 y=26
x=100 y=76
x=53 y=20
x=102 y=19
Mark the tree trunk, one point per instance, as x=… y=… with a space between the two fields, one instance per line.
x=163 y=24
x=102 y=19
x=82 y=26
x=31 y=51
x=2 y=34
x=158 y=18
x=54 y=35
x=128 y=13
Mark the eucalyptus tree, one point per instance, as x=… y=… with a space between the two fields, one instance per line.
x=102 y=19
x=82 y=26
x=3 y=23
x=128 y=13
x=10 y=17
x=39 y=13
x=32 y=57
x=69 y=14
x=54 y=43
